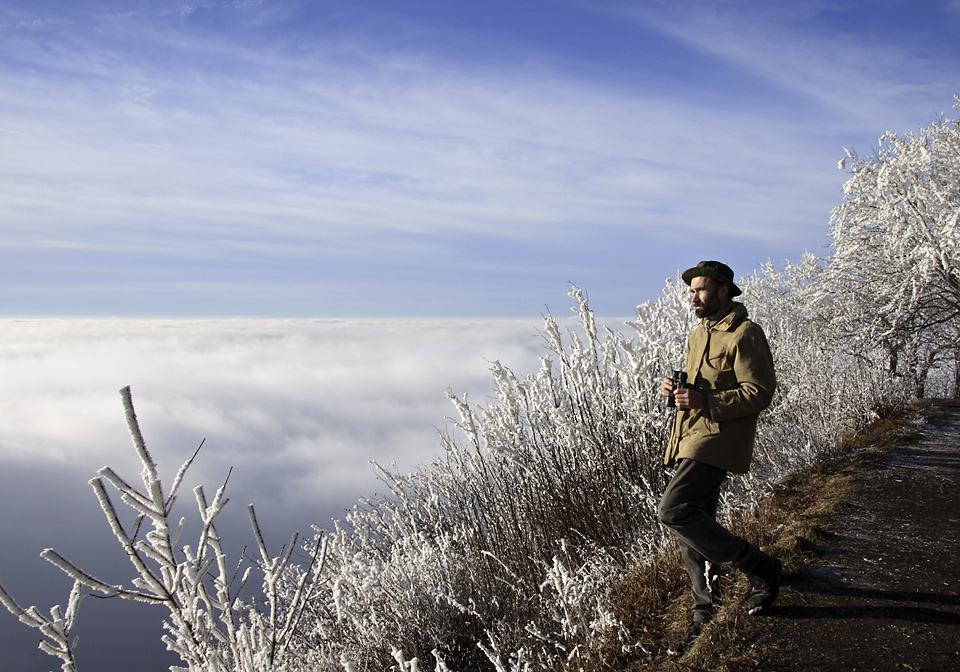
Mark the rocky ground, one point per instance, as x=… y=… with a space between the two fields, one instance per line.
x=878 y=588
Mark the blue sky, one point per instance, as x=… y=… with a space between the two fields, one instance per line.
x=403 y=158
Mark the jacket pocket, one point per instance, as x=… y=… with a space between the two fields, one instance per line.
x=717 y=372
x=702 y=426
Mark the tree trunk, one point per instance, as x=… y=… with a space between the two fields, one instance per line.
x=956 y=373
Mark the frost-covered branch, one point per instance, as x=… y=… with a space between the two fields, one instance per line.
x=57 y=629
x=208 y=626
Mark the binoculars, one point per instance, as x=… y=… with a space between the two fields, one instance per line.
x=679 y=379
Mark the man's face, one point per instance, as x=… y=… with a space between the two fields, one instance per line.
x=708 y=296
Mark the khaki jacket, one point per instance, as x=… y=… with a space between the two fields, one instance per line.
x=731 y=365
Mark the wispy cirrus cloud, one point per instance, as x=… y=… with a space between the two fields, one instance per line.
x=249 y=158
x=242 y=153
x=866 y=63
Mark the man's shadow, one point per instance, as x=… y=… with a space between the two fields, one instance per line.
x=867 y=602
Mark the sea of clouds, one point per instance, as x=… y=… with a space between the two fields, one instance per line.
x=297 y=409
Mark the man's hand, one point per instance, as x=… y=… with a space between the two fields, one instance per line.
x=688 y=399
x=666 y=388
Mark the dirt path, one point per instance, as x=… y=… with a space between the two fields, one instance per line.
x=883 y=591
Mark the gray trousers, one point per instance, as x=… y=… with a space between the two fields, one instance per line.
x=688 y=509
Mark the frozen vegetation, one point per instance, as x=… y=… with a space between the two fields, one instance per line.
x=499 y=554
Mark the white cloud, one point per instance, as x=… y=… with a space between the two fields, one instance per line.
x=297 y=408
x=305 y=404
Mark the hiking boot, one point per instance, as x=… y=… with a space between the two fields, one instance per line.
x=765 y=582
x=679 y=647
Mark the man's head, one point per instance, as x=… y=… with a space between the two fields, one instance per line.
x=711 y=284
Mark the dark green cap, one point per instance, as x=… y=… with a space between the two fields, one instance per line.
x=713 y=269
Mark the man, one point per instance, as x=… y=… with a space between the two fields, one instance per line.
x=730 y=381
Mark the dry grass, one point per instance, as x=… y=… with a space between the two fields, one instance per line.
x=653 y=602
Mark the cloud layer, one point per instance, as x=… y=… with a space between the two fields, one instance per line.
x=297 y=408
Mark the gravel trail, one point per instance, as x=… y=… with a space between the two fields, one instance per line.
x=883 y=592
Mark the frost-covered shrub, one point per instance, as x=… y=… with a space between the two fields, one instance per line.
x=480 y=548
x=550 y=491
x=207 y=625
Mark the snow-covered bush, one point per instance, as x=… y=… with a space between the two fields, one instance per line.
x=512 y=538
x=565 y=465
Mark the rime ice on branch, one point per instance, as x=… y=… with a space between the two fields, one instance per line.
x=208 y=626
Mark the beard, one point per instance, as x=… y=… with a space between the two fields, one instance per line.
x=706 y=309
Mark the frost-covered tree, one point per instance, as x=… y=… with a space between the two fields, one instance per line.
x=894 y=271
